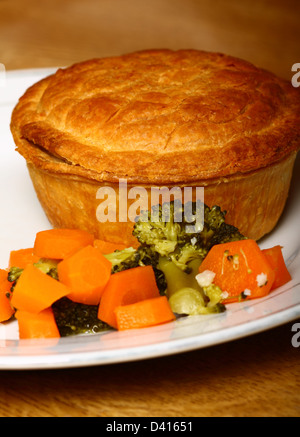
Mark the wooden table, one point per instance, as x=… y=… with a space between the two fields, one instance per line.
x=254 y=376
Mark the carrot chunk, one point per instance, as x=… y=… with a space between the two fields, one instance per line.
x=276 y=261
x=40 y=325
x=86 y=273
x=6 y=309
x=106 y=247
x=60 y=243
x=22 y=257
x=3 y=275
x=148 y=312
x=124 y=288
x=241 y=270
x=36 y=291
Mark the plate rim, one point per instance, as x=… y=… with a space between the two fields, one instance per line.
x=100 y=357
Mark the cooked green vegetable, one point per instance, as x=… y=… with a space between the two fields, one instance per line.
x=75 y=318
x=129 y=258
x=123 y=259
x=185 y=294
x=14 y=274
x=47 y=266
x=177 y=254
x=168 y=237
x=71 y=318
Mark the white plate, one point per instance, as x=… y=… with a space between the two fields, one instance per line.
x=22 y=216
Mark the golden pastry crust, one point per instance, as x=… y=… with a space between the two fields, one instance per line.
x=159 y=117
x=72 y=202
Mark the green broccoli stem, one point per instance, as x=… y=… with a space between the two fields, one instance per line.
x=178 y=279
x=185 y=294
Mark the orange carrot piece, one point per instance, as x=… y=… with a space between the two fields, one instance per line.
x=241 y=270
x=148 y=312
x=106 y=247
x=125 y=288
x=60 y=243
x=36 y=291
x=3 y=275
x=22 y=257
x=6 y=309
x=86 y=273
x=40 y=325
x=276 y=261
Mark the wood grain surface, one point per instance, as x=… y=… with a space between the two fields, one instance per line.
x=43 y=33
x=254 y=376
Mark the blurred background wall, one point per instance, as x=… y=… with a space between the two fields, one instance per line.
x=46 y=33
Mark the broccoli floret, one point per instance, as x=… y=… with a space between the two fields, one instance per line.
x=185 y=294
x=215 y=230
x=142 y=256
x=123 y=259
x=75 y=318
x=214 y=296
x=14 y=274
x=148 y=257
x=169 y=238
x=47 y=266
x=159 y=228
x=185 y=254
x=177 y=254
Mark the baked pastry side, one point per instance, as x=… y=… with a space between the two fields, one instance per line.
x=254 y=202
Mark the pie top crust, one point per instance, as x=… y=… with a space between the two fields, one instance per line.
x=158 y=116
